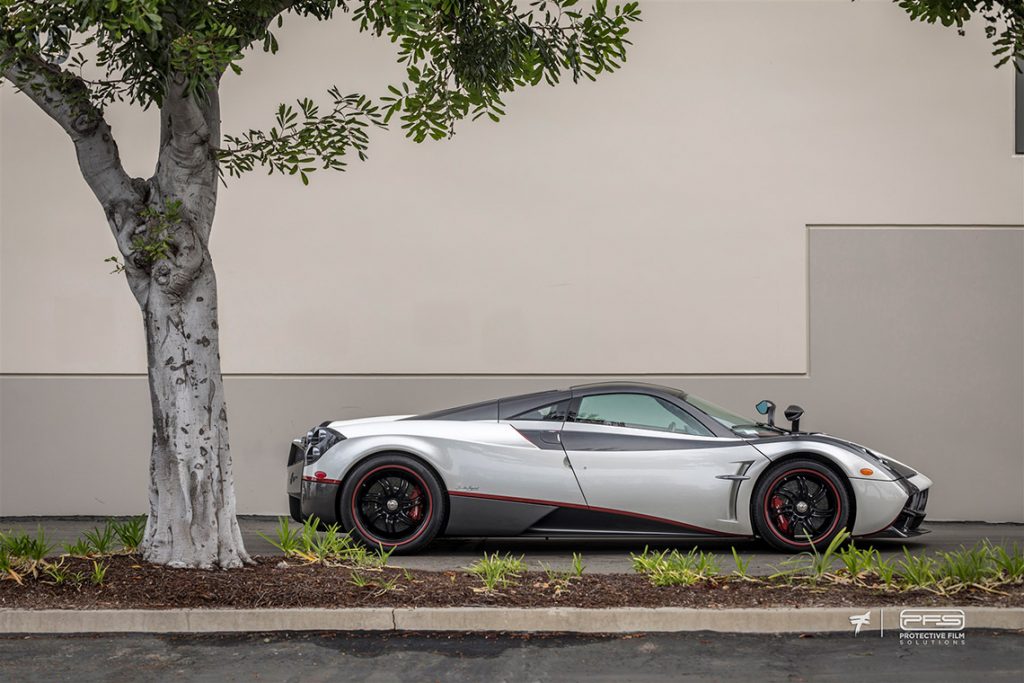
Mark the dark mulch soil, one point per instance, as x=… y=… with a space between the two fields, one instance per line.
x=131 y=584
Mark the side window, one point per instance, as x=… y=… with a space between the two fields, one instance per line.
x=639 y=411
x=554 y=412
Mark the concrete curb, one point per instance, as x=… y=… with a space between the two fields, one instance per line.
x=476 y=619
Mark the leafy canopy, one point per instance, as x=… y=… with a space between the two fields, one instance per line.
x=1003 y=19
x=460 y=58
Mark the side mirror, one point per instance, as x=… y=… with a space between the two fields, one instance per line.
x=793 y=414
x=767 y=408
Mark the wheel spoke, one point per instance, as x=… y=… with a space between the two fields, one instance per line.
x=392 y=486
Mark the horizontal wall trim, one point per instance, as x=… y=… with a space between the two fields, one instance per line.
x=425 y=375
x=916 y=226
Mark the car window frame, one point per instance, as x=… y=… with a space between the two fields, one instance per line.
x=574 y=406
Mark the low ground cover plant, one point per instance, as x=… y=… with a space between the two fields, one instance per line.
x=314 y=543
x=498 y=571
x=984 y=566
x=25 y=556
x=675 y=568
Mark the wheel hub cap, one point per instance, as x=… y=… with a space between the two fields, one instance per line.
x=802 y=507
x=392 y=505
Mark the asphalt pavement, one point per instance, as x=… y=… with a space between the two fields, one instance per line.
x=982 y=655
x=599 y=556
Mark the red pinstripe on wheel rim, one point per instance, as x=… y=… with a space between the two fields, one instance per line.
x=413 y=479
x=775 y=500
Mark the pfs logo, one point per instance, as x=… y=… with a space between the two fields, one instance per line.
x=932 y=620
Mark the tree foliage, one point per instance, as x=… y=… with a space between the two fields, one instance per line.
x=1003 y=21
x=460 y=57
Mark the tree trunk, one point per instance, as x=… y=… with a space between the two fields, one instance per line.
x=191 y=495
x=168 y=267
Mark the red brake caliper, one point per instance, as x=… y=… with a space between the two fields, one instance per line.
x=417 y=510
x=777 y=503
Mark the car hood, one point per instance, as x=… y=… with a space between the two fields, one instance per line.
x=340 y=425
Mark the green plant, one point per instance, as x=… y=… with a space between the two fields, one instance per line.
x=287 y=538
x=360 y=581
x=812 y=564
x=7 y=570
x=742 y=566
x=495 y=570
x=155 y=242
x=676 y=569
x=1010 y=562
x=25 y=554
x=99 y=573
x=856 y=562
x=967 y=567
x=885 y=570
x=57 y=572
x=80 y=548
x=130 y=532
x=916 y=571
x=328 y=546
x=101 y=541
x=577 y=565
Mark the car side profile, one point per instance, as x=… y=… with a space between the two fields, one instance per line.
x=601 y=460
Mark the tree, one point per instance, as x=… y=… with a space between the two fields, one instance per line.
x=1003 y=21
x=74 y=58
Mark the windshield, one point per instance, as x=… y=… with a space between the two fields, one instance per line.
x=730 y=420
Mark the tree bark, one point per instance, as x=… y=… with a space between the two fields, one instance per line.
x=191 y=497
x=192 y=519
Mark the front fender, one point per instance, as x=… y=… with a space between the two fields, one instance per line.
x=848 y=461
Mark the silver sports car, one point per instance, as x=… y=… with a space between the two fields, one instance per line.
x=612 y=459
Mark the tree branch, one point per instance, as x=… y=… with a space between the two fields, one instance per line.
x=187 y=164
x=65 y=98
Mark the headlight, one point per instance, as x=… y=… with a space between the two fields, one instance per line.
x=319 y=440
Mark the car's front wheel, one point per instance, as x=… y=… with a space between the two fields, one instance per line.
x=393 y=500
x=800 y=503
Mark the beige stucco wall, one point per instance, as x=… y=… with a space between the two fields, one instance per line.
x=695 y=169
x=652 y=224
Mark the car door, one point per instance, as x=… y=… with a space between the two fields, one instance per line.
x=645 y=456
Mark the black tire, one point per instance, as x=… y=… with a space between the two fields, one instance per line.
x=800 y=498
x=393 y=500
x=295 y=509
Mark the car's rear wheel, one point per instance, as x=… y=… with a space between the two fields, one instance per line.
x=800 y=503
x=394 y=501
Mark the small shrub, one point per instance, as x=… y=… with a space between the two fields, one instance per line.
x=916 y=571
x=7 y=570
x=1009 y=562
x=382 y=585
x=676 y=569
x=101 y=541
x=330 y=546
x=742 y=566
x=495 y=570
x=577 y=565
x=856 y=562
x=99 y=573
x=812 y=564
x=130 y=533
x=80 y=548
x=287 y=538
x=885 y=570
